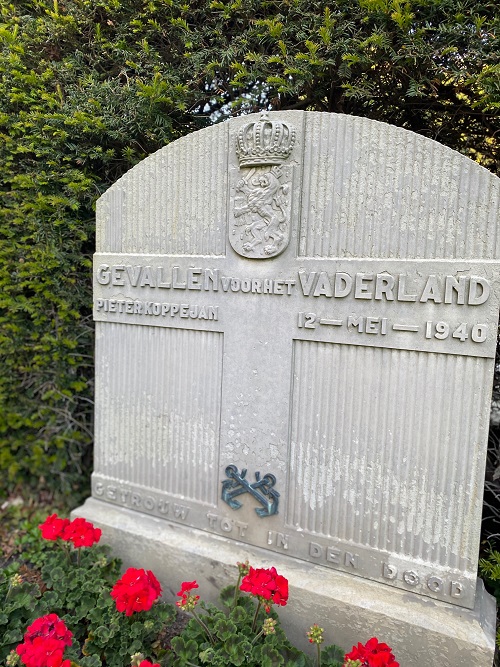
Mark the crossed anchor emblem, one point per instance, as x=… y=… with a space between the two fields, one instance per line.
x=262 y=490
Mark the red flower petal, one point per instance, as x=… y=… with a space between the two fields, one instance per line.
x=137 y=590
x=53 y=527
x=187 y=586
x=266 y=584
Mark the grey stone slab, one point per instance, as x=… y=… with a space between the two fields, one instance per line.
x=296 y=323
x=359 y=372
x=421 y=631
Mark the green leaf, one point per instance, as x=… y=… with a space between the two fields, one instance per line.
x=186 y=650
x=238 y=649
x=332 y=656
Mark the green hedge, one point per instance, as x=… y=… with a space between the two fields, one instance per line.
x=89 y=88
x=72 y=121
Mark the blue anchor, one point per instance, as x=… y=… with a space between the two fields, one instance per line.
x=261 y=490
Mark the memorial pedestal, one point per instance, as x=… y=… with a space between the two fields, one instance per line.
x=422 y=632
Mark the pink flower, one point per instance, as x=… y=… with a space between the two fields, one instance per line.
x=49 y=626
x=43 y=652
x=79 y=531
x=137 y=590
x=44 y=643
x=187 y=586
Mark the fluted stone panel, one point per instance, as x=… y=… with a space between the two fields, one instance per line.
x=172 y=203
x=147 y=433
x=297 y=322
x=373 y=190
x=379 y=454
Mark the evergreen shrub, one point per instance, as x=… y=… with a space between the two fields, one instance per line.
x=74 y=117
x=90 y=87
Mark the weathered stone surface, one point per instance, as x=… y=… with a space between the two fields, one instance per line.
x=350 y=609
x=296 y=330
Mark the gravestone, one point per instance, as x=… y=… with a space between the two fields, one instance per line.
x=296 y=320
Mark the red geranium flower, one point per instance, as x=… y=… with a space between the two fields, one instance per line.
x=373 y=654
x=187 y=586
x=267 y=585
x=53 y=527
x=137 y=590
x=187 y=602
x=82 y=533
x=43 y=652
x=49 y=626
x=44 y=643
x=146 y=663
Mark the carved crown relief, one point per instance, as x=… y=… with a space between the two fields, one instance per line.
x=262 y=204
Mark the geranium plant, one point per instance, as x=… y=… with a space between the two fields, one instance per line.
x=247 y=632
x=136 y=591
x=79 y=532
x=87 y=616
x=44 y=643
x=76 y=579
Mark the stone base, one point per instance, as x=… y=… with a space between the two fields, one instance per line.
x=421 y=631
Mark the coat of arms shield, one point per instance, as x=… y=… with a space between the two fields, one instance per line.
x=260 y=224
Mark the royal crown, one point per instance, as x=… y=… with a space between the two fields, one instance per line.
x=264 y=142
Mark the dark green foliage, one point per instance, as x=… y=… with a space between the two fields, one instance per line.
x=115 y=637
x=79 y=593
x=19 y=533
x=332 y=656
x=72 y=121
x=489 y=569
x=89 y=88
x=431 y=66
x=238 y=640
x=21 y=605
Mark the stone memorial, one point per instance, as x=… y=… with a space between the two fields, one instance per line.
x=296 y=319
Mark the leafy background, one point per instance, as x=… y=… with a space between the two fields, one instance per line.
x=89 y=88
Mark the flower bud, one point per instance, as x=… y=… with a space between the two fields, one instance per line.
x=12 y=659
x=315 y=634
x=269 y=626
x=243 y=568
x=188 y=602
x=16 y=580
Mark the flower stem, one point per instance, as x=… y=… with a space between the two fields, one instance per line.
x=319 y=654
x=8 y=592
x=204 y=626
x=254 y=624
x=257 y=636
x=67 y=551
x=236 y=591
x=78 y=558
